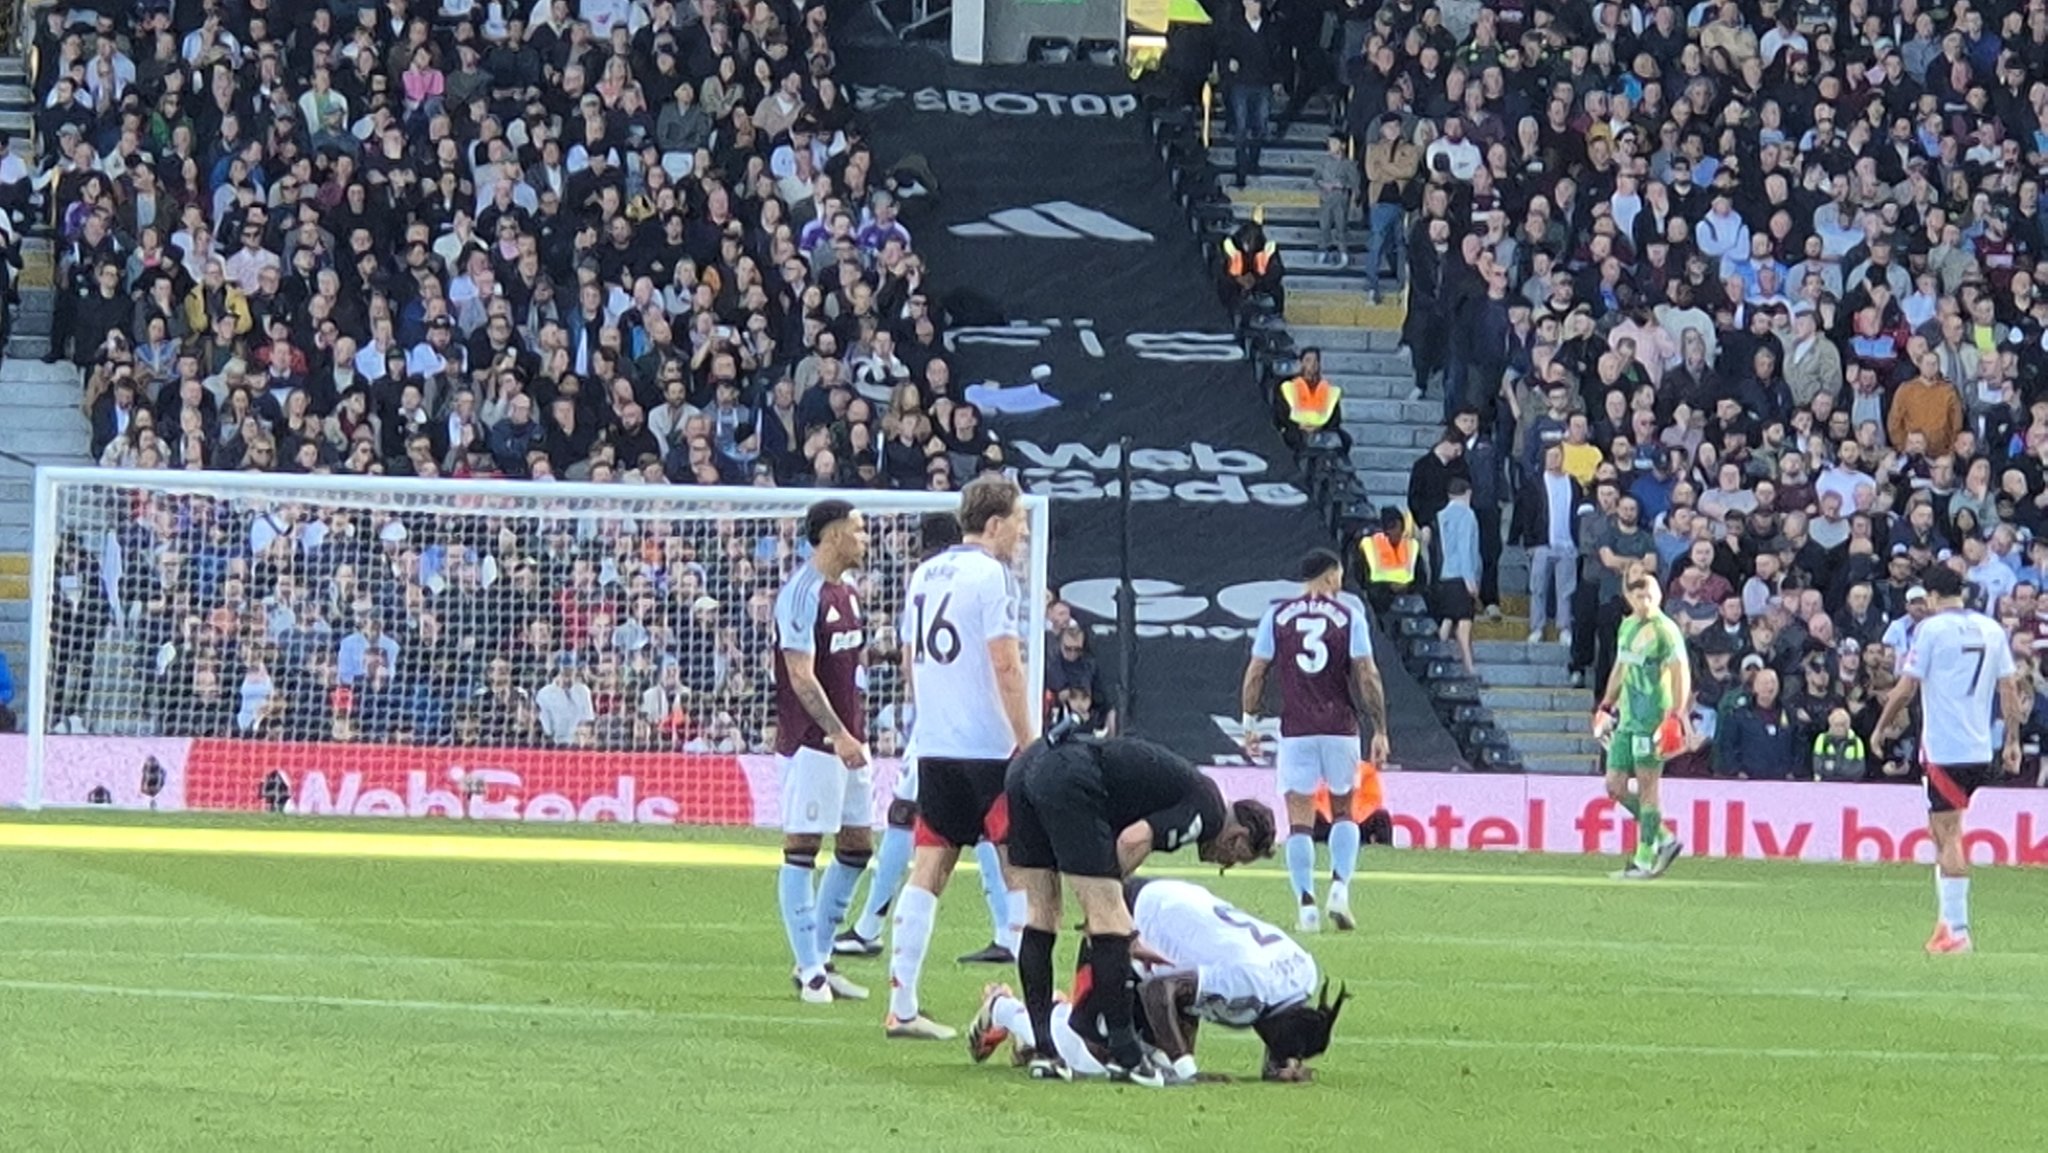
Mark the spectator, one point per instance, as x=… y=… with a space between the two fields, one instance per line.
x=1457 y=586
x=564 y=704
x=1550 y=505
x=1336 y=179
x=1250 y=55
x=1757 y=740
x=1310 y=405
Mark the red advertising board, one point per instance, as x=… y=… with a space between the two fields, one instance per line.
x=561 y=785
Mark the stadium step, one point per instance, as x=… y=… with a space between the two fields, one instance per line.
x=1413 y=439
x=1564 y=744
x=1362 y=386
x=1489 y=653
x=1527 y=676
x=1388 y=366
x=1516 y=701
x=1345 y=337
x=1554 y=721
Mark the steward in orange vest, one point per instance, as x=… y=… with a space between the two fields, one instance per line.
x=1390 y=555
x=1251 y=263
x=1308 y=404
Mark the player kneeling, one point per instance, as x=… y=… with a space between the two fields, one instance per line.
x=1210 y=963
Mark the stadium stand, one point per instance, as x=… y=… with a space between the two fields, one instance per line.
x=1781 y=260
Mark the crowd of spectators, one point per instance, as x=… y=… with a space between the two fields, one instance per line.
x=1747 y=291
x=633 y=242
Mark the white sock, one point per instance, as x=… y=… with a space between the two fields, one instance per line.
x=1955 y=902
x=1012 y=928
x=915 y=910
x=1011 y=1015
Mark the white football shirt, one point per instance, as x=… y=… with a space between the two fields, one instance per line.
x=1244 y=968
x=1958 y=656
x=958 y=602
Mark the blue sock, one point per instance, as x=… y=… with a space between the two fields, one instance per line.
x=835 y=896
x=992 y=888
x=892 y=864
x=799 y=912
x=1301 y=864
x=1343 y=850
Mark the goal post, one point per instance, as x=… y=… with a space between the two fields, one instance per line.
x=375 y=646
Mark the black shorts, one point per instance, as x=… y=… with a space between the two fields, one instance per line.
x=1453 y=601
x=1949 y=788
x=1059 y=813
x=959 y=802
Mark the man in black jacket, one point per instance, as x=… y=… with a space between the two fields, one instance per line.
x=1758 y=739
x=1251 y=54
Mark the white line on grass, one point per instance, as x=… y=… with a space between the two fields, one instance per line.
x=1383 y=984
x=599 y=1013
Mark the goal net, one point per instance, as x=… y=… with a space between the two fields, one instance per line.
x=480 y=649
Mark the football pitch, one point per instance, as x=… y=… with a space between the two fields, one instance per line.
x=238 y=984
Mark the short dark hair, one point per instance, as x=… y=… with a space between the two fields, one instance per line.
x=938 y=531
x=1317 y=562
x=1458 y=487
x=988 y=497
x=822 y=516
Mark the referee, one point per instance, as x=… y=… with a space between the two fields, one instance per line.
x=1090 y=811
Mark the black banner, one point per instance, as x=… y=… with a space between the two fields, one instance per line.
x=1053 y=209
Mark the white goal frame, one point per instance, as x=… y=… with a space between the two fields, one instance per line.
x=637 y=501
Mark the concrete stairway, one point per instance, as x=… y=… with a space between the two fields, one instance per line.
x=42 y=423
x=1527 y=686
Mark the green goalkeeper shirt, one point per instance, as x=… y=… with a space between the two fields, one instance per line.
x=1642 y=649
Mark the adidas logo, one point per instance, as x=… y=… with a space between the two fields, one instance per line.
x=1053 y=220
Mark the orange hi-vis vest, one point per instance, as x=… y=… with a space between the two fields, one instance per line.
x=1310 y=405
x=1234 y=258
x=1388 y=563
x=1366 y=799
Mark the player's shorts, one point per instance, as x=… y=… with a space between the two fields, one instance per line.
x=820 y=795
x=1950 y=787
x=1635 y=749
x=1059 y=813
x=1305 y=762
x=960 y=802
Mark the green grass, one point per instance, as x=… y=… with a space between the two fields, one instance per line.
x=1510 y=1003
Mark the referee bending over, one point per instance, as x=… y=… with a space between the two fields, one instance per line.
x=1090 y=811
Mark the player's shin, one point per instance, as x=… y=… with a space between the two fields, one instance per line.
x=1301 y=863
x=795 y=894
x=912 y=938
x=1952 y=895
x=1649 y=833
x=996 y=892
x=835 y=894
x=891 y=865
x=1035 y=977
x=1109 y=962
x=1344 y=841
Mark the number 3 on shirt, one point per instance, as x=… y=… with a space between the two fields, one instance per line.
x=1314 y=654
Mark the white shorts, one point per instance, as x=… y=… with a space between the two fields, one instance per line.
x=1305 y=762
x=820 y=796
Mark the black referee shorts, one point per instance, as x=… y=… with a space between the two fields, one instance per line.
x=960 y=802
x=1059 y=813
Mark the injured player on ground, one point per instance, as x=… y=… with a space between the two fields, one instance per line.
x=1206 y=962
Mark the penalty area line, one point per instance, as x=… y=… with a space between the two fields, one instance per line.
x=590 y=851
x=599 y=1014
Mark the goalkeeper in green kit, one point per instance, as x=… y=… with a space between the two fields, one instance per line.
x=1644 y=718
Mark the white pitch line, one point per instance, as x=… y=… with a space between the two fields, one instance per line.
x=1382 y=984
x=597 y=1013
